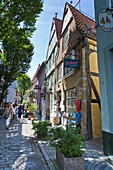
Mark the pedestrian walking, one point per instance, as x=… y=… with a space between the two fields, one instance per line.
x=13 y=107
x=8 y=114
x=20 y=112
x=16 y=111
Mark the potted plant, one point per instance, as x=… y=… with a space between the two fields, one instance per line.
x=32 y=108
x=40 y=129
x=69 y=146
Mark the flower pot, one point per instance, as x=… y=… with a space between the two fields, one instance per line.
x=74 y=163
x=55 y=120
x=30 y=117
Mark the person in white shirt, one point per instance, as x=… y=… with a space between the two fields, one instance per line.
x=8 y=114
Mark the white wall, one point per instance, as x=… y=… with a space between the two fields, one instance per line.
x=11 y=95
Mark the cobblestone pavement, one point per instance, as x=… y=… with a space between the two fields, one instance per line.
x=18 y=148
x=94 y=158
x=20 y=151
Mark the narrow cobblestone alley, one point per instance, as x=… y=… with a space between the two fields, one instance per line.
x=18 y=149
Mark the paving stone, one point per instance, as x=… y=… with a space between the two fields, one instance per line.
x=19 y=149
x=16 y=149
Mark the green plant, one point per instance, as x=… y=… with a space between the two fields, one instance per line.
x=40 y=129
x=32 y=107
x=69 y=141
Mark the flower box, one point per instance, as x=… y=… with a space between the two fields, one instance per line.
x=73 y=163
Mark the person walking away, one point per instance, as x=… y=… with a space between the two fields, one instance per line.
x=11 y=111
x=20 y=111
x=16 y=111
x=8 y=114
x=14 y=105
x=13 y=108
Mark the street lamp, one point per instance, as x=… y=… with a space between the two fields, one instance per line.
x=38 y=88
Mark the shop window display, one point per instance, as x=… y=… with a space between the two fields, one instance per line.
x=70 y=101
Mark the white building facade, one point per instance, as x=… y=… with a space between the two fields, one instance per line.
x=50 y=68
x=13 y=95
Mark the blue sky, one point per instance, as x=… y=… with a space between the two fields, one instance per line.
x=40 y=38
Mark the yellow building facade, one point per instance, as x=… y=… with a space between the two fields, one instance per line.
x=78 y=43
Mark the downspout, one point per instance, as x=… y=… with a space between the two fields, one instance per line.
x=89 y=133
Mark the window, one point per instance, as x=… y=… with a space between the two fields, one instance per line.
x=65 y=40
x=71 y=101
x=49 y=63
x=47 y=66
x=53 y=57
x=52 y=80
x=60 y=72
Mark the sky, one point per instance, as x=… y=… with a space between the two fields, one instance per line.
x=40 y=38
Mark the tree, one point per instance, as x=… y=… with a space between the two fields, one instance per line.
x=19 y=13
x=16 y=58
x=23 y=84
x=17 y=24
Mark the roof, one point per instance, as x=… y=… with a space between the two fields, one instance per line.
x=38 y=71
x=58 y=25
x=35 y=75
x=84 y=24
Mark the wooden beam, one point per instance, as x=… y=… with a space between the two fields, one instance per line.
x=95 y=92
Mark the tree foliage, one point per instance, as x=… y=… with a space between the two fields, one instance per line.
x=23 y=84
x=17 y=24
x=17 y=13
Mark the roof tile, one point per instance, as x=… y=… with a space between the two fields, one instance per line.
x=84 y=24
x=58 y=25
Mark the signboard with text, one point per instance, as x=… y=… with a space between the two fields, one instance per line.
x=71 y=63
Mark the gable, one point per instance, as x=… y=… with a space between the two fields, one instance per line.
x=52 y=30
x=66 y=19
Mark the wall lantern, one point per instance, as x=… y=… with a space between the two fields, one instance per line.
x=50 y=90
x=37 y=87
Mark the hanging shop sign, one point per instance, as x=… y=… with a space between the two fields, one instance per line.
x=71 y=63
x=105 y=20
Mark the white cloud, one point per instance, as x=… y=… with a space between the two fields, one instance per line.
x=42 y=23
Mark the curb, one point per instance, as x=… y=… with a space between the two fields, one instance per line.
x=49 y=154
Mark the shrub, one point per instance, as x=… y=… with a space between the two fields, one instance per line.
x=69 y=141
x=40 y=129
